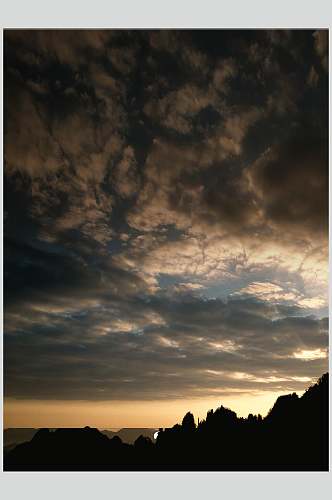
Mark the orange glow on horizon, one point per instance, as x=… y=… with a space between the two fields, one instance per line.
x=117 y=414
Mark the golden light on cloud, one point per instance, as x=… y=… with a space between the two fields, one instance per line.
x=226 y=346
x=310 y=354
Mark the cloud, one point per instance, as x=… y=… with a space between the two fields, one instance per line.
x=165 y=213
x=65 y=46
x=30 y=147
x=280 y=271
x=224 y=72
x=275 y=179
x=125 y=175
x=178 y=44
x=188 y=287
x=123 y=59
x=313 y=77
x=266 y=291
x=321 y=42
x=185 y=182
x=66 y=141
x=203 y=342
x=177 y=109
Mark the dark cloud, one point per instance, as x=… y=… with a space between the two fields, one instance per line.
x=149 y=176
x=205 y=345
x=279 y=177
x=321 y=45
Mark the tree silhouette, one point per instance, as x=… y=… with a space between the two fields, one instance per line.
x=188 y=422
x=293 y=436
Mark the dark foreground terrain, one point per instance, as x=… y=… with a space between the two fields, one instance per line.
x=293 y=436
x=15 y=435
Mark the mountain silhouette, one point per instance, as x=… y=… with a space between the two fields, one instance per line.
x=292 y=437
x=14 y=436
x=130 y=434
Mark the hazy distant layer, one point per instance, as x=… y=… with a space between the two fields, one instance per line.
x=12 y=437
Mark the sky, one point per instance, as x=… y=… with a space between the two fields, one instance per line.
x=165 y=223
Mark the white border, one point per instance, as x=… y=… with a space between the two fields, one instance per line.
x=164 y=14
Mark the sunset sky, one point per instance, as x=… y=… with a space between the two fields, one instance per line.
x=165 y=223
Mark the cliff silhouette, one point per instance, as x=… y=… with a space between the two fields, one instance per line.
x=292 y=437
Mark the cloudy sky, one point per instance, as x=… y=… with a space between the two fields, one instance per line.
x=165 y=220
